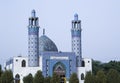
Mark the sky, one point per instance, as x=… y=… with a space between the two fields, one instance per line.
x=100 y=20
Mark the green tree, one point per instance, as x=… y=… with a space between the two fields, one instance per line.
x=47 y=79
x=55 y=78
x=28 y=79
x=96 y=65
x=113 y=76
x=74 y=78
x=101 y=77
x=38 y=78
x=90 y=78
x=0 y=70
x=7 y=77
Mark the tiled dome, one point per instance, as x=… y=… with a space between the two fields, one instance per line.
x=46 y=44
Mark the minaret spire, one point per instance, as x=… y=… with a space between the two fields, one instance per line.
x=76 y=17
x=33 y=40
x=43 y=31
x=33 y=13
x=76 y=39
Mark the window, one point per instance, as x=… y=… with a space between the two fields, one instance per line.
x=82 y=76
x=16 y=60
x=88 y=61
x=23 y=63
x=83 y=63
x=17 y=78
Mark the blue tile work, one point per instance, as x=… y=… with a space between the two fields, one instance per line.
x=76 y=39
x=33 y=30
x=76 y=33
x=46 y=44
x=33 y=41
x=49 y=63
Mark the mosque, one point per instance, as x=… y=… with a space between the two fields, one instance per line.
x=43 y=55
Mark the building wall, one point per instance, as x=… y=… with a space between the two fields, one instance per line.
x=86 y=67
x=16 y=67
x=68 y=59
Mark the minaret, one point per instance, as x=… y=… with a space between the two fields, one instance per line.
x=76 y=39
x=33 y=41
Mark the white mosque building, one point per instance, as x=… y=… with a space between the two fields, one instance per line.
x=43 y=55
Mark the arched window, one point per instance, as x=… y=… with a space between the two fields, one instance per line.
x=82 y=76
x=83 y=63
x=23 y=63
x=60 y=69
x=17 y=78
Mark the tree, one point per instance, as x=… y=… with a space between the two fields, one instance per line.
x=0 y=70
x=100 y=77
x=28 y=79
x=96 y=65
x=7 y=77
x=47 y=79
x=38 y=78
x=55 y=78
x=90 y=78
x=74 y=78
x=113 y=76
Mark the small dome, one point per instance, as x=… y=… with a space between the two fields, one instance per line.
x=46 y=44
x=76 y=16
x=33 y=13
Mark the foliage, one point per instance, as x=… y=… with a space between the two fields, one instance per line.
x=101 y=77
x=89 y=78
x=0 y=70
x=74 y=78
x=47 y=79
x=113 y=76
x=55 y=78
x=28 y=79
x=97 y=65
x=100 y=71
x=112 y=65
x=39 y=78
x=7 y=77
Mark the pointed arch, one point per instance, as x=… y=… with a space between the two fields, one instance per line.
x=23 y=63
x=82 y=76
x=59 y=68
x=83 y=63
x=17 y=78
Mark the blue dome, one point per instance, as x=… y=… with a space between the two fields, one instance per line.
x=76 y=16
x=33 y=13
x=46 y=44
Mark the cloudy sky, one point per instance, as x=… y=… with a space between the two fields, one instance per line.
x=100 y=26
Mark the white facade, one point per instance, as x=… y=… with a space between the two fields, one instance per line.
x=22 y=69
x=18 y=67
x=86 y=67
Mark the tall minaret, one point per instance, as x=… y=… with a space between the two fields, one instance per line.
x=33 y=41
x=76 y=39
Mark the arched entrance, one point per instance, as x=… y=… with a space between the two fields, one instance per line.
x=59 y=69
x=17 y=78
